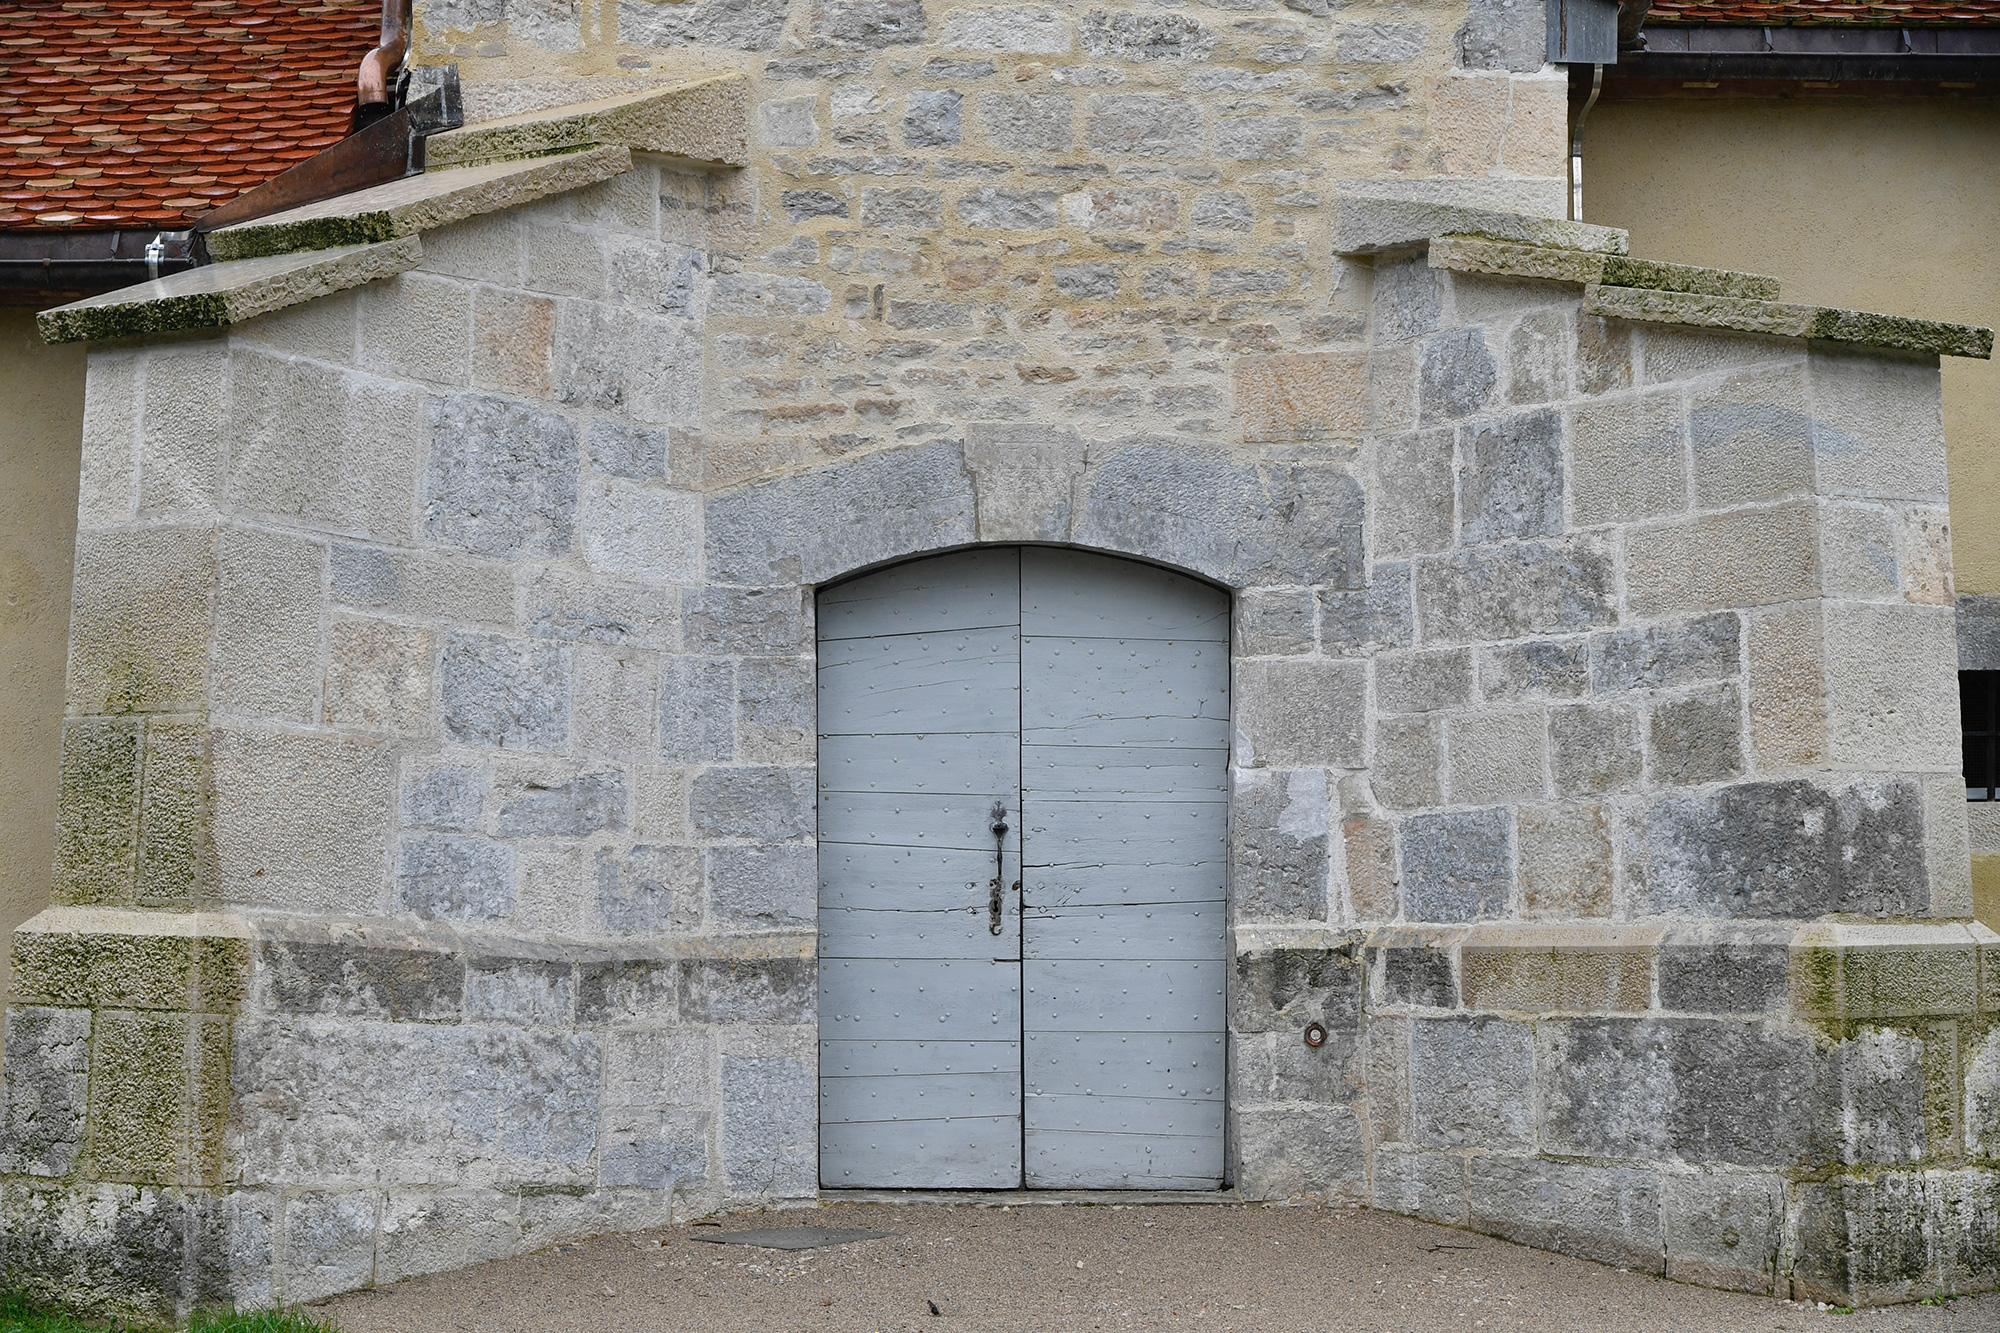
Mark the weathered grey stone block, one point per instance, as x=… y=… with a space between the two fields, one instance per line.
x=1027 y=122
x=1538 y=357
x=1514 y=591
x=1680 y=653
x=329 y=1243
x=614 y=359
x=1512 y=483
x=1144 y=37
x=757 y=803
x=1788 y=848
x=1007 y=210
x=931 y=118
x=775 y=703
x=749 y=990
x=1545 y=669
x=1753 y=439
x=746 y=295
x=1456 y=374
x=1144 y=125
x=1417 y=973
x=1503 y=34
x=1405 y=300
x=1274 y=622
x=770 y=1105
x=641 y=532
x=1610 y=1214
x=1697 y=739
x=810 y=528
x=754 y=26
x=432 y=1231
x=302 y=821
x=697 y=710
x=502 y=479
x=726 y=620
x=1743 y=559
x=534 y=992
x=1421 y=1184
x=1724 y=1230
x=649 y=889
x=1423 y=682
x=48 y=1074
x=1279 y=844
x=1199 y=509
x=1978 y=627
x=1292 y=1152
x=455 y=878
x=511 y=693
x=628 y=990
x=1280 y=1067
x=1882 y=1097
x=446 y=799
x=537 y=806
x=869 y=23
x=1751 y=1095
x=1878 y=425
x=1031 y=29
x=1282 y=990
x=327 y=978
x=1294 y=712
x=1472 y=1083
x=764 y=886
x=268 y=654
x=1594 y=748
x=1379 y=617
x=1409 y=762
x=805 y=205
x=1024 y=475
x=1458 y=866
x=1725 y=969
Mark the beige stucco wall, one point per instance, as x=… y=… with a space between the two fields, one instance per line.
x=1884 y=206
x=41 y=425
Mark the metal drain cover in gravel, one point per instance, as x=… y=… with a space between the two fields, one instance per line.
x=787 y=1238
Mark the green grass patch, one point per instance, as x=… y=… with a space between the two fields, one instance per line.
x=19 y=1314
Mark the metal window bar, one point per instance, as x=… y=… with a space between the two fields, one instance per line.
x=1979 y=711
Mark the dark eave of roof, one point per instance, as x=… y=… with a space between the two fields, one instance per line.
x=1682 y=60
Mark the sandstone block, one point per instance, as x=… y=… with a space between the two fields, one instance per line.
x=1628 y=459
x=302 y=821
x=1279 y=853
x=97 y=811
x=1752 y=439
x=1300 y=396
x=1603 y=354
x=1891 y=688
x=1588 y=976
x=1457 y=866
x=1300 y=712
x=507 y=692
x=617 y=715
x=379 y=675
x=1496 y=757
x=1565 y=860
x=182 y=429
x=1787 y=685
x=417 y=326
x=1409 y=762
x=176 y=815
x=1472 y=1083
x=141 y=620
x=1877 y=427
x=1741 y=559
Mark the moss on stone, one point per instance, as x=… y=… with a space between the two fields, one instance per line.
x=97 y=814
x=176 y=856
x=139 y=1098
x=1815 y=987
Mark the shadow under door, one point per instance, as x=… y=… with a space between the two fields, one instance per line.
x=1023 y=768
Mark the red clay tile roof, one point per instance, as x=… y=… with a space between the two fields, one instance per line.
x=139 y=113
x=1828 y=13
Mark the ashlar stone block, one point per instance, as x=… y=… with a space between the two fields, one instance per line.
x=1279 y=862
x=1511 y=484
x=1472 y=1083
x=505 y=692
x=1458 y=865
x=1292 y=711
x=1628 y=458
x=1497 y=757
x=502 y=479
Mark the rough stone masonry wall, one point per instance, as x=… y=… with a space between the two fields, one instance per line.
x=437 y=793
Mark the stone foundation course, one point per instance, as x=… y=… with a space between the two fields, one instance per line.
x=437 y=873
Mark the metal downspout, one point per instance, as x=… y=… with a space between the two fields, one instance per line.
x=1576 y=145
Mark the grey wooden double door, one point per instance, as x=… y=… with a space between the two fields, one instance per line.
x=1039 y=1004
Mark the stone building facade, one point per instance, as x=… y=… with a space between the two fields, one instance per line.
x=436 y=865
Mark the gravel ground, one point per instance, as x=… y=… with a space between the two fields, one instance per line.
x=1053 y=1269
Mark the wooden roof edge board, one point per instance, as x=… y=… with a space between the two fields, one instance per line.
x=1784 y=320
x=1479 y=254
x=706 y=120
x=418 y=203
x=219 y=295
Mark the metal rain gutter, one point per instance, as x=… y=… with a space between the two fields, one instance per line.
x=36 y=265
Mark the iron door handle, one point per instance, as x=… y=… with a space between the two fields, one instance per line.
x=995 y=899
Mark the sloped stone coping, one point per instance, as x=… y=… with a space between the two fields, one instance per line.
x=1784 y=320
x=222 y=294
x=705 y=121
x=418 y=203
x=1370 y=217
x=1474 y=254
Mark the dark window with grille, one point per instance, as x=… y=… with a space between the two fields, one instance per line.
x=1979 y=706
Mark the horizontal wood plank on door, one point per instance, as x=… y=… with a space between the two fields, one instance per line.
x=878 y=1098
x=930 y=684
x=1061 y=590
x=901 y=999
x=1123 y=773
x=932 y=763
x=962 y=590
x=1067 y=1159
x=1161 y=931
x=962 y=1153
x=852 y=1059
x=1099 y=1113
x=904 y=934
x=1127 y=1064
x=894 y=819
x=1122 y=995
x=1127 y=833
x=1124 y=693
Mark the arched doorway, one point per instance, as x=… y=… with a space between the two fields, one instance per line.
x=1023 y=805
